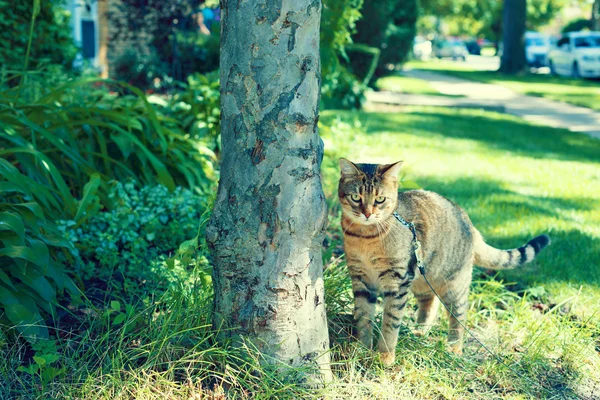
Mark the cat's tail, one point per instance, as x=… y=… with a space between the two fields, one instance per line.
x=487 y=256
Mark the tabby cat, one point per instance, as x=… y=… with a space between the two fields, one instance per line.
x=381 y=259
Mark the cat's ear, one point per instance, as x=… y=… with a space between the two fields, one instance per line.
x=348 y=168
x=390 y=171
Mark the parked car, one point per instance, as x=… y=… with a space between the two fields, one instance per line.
x=454 y=49
x=537 y=47
x=422 y=48
x=473 y=47
x=576 y=54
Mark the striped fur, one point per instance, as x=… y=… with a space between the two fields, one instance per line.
x=381 y=262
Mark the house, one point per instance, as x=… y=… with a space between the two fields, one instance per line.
x=90 y=31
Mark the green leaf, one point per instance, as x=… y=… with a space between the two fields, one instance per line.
x=37 y=282
x=189 y=246
x=89 y=194
x=119 y=319
x=36 y=8
x=35 y=256
x=23 y=313
x=12 y=222
x=115 y=305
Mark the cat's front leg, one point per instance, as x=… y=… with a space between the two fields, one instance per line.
x=365 y=300
x=395 y=297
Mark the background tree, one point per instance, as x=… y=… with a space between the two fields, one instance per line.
x=596 y=16
x=513 y=37
x=389 y=26
x=484 y=17
x=269 y=217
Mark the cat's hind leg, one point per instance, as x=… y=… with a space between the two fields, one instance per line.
x=428 y=304
x=456 y=299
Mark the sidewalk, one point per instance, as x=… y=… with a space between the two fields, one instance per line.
x=496 y=98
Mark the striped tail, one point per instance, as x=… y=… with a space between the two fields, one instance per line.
x=487 y=256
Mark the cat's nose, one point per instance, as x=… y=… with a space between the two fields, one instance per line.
x=367 y=214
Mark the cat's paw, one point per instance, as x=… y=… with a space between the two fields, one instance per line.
x=419 y=332
x=456 y=348
x=387 y=358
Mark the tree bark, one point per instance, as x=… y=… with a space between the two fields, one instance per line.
x=270 y=213
x=513 y=54
x=596 y=16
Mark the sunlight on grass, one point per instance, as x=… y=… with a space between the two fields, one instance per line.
x=516 y=181
x=407 y=85
x=581 y=92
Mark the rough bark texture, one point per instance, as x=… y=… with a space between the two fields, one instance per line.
x=269 y=217
x=513 y=54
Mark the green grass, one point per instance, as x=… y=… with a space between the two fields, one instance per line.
x=408 y=85
x=580 y=92
x=515 y=180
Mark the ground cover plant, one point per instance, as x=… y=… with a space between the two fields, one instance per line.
x=515 y=181
x=580 y=92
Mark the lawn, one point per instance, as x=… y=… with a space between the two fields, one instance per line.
x=515 y=180
x=581 y=92
x=407 y=85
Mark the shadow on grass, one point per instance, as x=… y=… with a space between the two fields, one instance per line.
x=506 y=134
x=573 y=255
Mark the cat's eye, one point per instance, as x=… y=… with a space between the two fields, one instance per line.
x=379 y=199
x=355 y=197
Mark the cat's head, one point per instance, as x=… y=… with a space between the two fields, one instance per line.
x=368 y=192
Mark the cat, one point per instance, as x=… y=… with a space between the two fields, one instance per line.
x=381 y=259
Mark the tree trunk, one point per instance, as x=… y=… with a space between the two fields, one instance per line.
x=513 y=26
x=270 y=213
x=596 y=16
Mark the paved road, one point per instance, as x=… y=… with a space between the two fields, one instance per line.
x=534 y=109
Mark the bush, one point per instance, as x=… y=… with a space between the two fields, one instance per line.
x=130 y=242
x=162 y=41
x=342 y=91
x=340 y=88
x=31 y=275
x=57 y=154
x=390 y=26
x=51 y=43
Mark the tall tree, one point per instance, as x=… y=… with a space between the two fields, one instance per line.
x=268 y=222
x=513 y=54
x=596 y=16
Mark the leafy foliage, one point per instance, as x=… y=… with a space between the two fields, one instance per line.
x=52 y=43
x=129 y=243
x=162 y=41
x=57 y=154
x=389 y=26
x=484 y=17
x=340 y=87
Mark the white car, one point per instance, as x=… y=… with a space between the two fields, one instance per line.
x=422 y=48
x=454 y=49
x=576 y=54
x=537 y=46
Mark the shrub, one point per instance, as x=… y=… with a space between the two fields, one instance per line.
x=197 y=108
x=31 y=274
x=163 y=40
x=390 y=26
x=130 y=242
x=57 y=154
x=342 y=91
x=83 y=130
x=52 y=42
x=340 y=88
